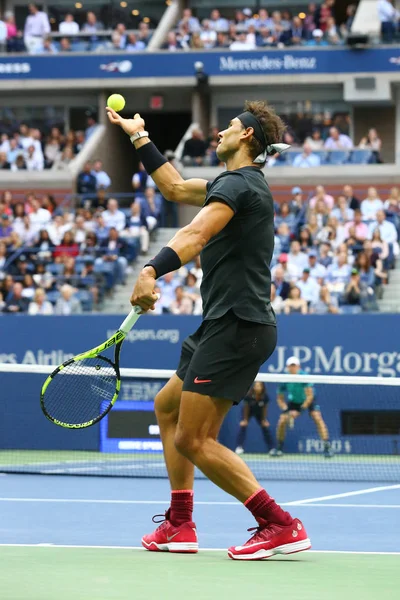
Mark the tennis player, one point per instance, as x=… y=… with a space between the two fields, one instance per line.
x=300 y=397
x=234 y=232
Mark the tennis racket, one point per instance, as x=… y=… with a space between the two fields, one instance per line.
x=81 y=391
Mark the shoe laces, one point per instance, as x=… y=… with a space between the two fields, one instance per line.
x=161 y=518
x=261 y=528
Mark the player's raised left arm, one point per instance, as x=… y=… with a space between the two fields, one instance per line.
x=170 y=183
x=184 y=246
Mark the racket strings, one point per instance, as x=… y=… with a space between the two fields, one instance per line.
x=81 y=391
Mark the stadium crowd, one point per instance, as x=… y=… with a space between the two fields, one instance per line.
x=331 y=255
x=314 y=26
x=57 y=260
x=315 y=140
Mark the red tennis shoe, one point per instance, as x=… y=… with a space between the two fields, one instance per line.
x=168 y=538
x=270 y=539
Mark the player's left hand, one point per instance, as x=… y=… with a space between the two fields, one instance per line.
x=143 y=294
x=130 y=126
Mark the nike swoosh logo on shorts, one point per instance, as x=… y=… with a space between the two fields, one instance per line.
x=171 y=537
x=197 y=380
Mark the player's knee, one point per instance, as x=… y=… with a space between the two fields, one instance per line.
x=164 y=407
x=186 y=443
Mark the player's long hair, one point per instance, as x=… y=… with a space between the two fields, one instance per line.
x=272 y=125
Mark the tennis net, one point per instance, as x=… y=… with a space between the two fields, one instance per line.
x=362 y=415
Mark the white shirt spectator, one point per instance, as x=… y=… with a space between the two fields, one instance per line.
x=318 y=271
x=114 y=219
x=34 y=162
x=342 y=143
x=208 y=37
x=299 y=260
x=3 y=32
x=348 y=214
x=339 y=274
x=387 y=12
x=40 y=219
x=309 y=289
x=102 y=178
x=219 y=24
x=242 y=45
x=312 y=160
x=387 y=230
x=369 y=208
x=167 y=286
x=68 y=28
x=291 y=272
x=46 y=308
x=37 y=25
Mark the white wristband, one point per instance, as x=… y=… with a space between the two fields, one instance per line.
x=138 y=135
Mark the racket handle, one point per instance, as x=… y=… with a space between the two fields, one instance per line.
x=131 y=319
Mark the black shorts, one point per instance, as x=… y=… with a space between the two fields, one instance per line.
x=294 y=406
x=222 y=358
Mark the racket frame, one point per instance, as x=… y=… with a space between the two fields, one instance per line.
x=115 y=340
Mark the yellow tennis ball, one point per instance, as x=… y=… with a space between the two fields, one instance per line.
x=116 y=102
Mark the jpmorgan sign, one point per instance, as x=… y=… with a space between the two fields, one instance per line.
x=337 y=361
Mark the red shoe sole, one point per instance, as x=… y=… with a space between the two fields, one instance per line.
x=265 y=554
x=178 y=547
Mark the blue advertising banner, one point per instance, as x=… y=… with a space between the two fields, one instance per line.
x=339 y=345
x=164 y=64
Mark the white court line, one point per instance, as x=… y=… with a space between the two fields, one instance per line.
x=345 y=494
x=83 y=547
x=300 y=503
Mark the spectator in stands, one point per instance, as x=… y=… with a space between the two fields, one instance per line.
x=39 y=305
x=208 y=35
x=113 y=250
x=386 y=228
x=371 y=205
x=242 y=42
x=365 y=269
x=52 y=150
x=46 y=47
x=283 y=237
x=3 y=258
x=307 y=158
x=19 y=164
x=286 y=217
x=317 y=270
x=14 y=151
x=195 y=148
x=389 y=17
x=69 y=25
x=63 y=159
x=321 y=196
x=217 y=22
x=332 y=32
x=317 y=38
x=5 y=228
x=133 y=44
x=91 y=127
x=102 y=178
x=290 y=271
x=144 y=33
x=342 y=212
x=15 y=301
x=338 y=273
x=337 y=140
x=87 y=182
x=392 y=204
x=295 y=35
x=308 y=287
x=37 y=26
x=357 y=228
x=167 y=286
x=379 y=246
x=352 y=293
x=315 y=140
x=345 y=27
x=223 y=40
x=276 y=300
x=92 y=25
x=325 y=303
x=67 y=304
x=140 y=179
x=295 y=303
x=372 y=142
x=352 y=201
x=45 y=245
x=305 y=239
x=33 y=160
x=181 y=305
x=172 y=44
x=4 y=164
x=113 y=217
x=67 y=247
x=136 y=227
x=191 y=291
x=265 y=38
x=39 y=217
x=188 y=19
x=313 y=227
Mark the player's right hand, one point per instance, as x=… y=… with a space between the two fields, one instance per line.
x=130 y=126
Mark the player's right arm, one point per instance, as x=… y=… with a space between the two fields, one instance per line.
x=170 y=183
